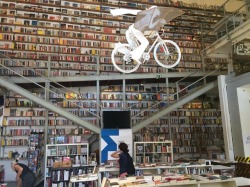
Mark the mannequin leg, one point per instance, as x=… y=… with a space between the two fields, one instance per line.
x=137 y=53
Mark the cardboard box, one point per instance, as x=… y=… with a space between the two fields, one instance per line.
x=66 y=163
x=57 y=164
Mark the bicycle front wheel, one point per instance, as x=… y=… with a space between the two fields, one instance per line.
x=122 y=59
x=167 y=54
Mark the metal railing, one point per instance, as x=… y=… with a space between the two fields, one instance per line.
x=223 y=27
x=181 y=92
x=61 y=92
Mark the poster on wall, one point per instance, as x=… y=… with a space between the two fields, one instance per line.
x=110 y=140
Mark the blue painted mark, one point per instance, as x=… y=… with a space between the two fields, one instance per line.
x=111 y=145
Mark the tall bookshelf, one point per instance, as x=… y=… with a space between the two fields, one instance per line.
x=36 y=152
x=62 y=159
x=80 y=35
x=21 y=118
x=75 y=38
x=197 y=129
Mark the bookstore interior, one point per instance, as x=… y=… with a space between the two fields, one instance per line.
x=169 y=78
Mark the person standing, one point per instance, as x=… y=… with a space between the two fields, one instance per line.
x=24 y=177
x=126 y=166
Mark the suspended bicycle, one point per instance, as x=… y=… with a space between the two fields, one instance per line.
x=165 y=52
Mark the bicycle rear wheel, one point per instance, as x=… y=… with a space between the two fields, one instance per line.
x=122 y=59
x=167 y=53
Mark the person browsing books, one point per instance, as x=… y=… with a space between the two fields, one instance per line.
x=24 y=177
x=126 y=166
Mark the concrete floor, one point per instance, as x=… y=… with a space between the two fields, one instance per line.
x=13 y=184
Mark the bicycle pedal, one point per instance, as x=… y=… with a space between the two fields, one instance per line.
x=146 y=56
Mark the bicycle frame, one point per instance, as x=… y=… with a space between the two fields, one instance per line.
x=157 y=39
x=126 y=48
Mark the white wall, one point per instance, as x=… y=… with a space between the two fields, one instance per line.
x=10 y=175
x=233 y=105
x=244 y=108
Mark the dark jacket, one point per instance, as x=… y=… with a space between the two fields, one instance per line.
x=126 y=164
x=123 y=163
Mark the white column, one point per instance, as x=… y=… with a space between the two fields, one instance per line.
x=244 y=108
x=226 y=124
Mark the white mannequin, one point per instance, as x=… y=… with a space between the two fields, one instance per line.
x=133 y=32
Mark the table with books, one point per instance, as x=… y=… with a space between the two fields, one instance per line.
x=83 y=179
x=175 y=180
x=111 y=171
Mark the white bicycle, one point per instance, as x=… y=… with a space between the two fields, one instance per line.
x=166 y=53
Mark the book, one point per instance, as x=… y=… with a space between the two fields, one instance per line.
x=60 y=139
x=114 y=184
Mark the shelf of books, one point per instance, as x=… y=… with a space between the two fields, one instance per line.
x=192 y=127
x=62 y=159
x=21 y=117
x=76 y=38
x=153 y=152
x=73 y=38
x=36 y=152
x=196 y=129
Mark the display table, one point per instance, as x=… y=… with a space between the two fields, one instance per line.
x=242 y=181
x=198 y=169
x=160 y=169
x=104 y=172
x=224 y=170
x=140 y=170
x=217 y=183
x=184 y=183
x=85 y=178
x=221 y=167
x=223 y=163
x=188 y=169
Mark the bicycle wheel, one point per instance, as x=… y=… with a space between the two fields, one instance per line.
x=121 y=59
x=167 y=53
